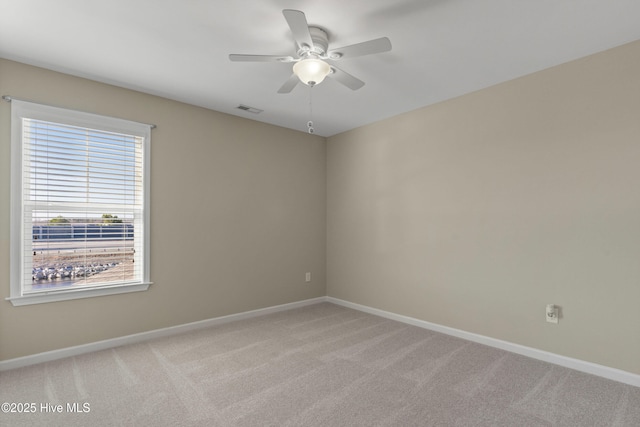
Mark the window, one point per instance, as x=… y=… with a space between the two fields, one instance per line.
x=79 y=204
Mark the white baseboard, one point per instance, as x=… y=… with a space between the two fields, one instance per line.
x=568 y=362
x=49 y=356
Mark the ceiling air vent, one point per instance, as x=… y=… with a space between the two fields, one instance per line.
x=249 y=109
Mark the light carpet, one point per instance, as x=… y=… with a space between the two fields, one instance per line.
x=320 y=365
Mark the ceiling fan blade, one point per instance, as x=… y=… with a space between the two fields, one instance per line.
x=345 y=78
x=299 y=27
x=383 y=44
x=260 y=58
x=289 y=84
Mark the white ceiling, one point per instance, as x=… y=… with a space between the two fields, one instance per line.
x=179 y=48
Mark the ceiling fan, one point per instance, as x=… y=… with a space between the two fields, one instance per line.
x=312 y=51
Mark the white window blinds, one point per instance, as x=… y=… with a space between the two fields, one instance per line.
x=80 y=196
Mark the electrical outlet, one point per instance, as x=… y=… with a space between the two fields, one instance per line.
x=307 y=277
x=551 y=313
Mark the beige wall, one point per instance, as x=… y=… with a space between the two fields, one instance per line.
x=477 y=212
x=237 y=217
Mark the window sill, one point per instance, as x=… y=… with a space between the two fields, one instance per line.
x=53 y=296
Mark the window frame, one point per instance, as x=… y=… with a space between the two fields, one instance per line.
x=23 y=109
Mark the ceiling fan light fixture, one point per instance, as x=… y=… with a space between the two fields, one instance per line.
x=312 y=45
x=311 y=71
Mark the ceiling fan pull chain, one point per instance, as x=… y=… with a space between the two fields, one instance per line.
x=310 y=122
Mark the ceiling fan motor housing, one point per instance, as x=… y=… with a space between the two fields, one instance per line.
x=320 y=40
